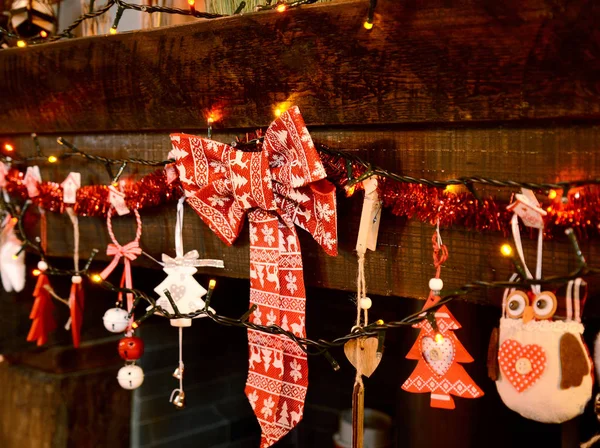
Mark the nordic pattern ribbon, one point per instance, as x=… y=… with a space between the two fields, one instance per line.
x=278 y=188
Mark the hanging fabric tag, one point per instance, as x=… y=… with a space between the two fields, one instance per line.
x=32 y=180
x=170 y=173
x=370 y=217
x=70 y=186
x=117 y=200
x=527 y=207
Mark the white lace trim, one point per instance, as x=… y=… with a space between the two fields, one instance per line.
x=544 y=325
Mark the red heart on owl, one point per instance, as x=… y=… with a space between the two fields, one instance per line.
x=522 y=365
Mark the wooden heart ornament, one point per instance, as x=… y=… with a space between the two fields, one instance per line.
x=362 y=354
x=438 y=355
x=522 y=365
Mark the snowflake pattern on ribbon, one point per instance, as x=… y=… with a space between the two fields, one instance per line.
x=279 y=188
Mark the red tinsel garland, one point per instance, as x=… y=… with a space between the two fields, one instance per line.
x=413 y=201
x=150 y=191
x=428 y=204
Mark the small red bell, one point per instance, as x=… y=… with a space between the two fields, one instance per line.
x=131 y=348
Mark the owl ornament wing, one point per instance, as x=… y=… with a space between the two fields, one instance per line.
x=492 y=360
x=574 y=363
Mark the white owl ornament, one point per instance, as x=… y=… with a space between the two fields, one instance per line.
x=540 y=362
x=541 y=365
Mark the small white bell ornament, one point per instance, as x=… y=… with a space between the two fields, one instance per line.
x=116 y=320
x=130 y=377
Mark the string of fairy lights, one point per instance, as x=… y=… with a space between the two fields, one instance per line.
x=310 y=346
x=281 y=6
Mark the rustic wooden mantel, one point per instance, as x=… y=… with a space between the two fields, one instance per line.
x=436 y=89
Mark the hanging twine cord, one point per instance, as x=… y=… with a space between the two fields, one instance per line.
x=440 y=254
x=361 y=291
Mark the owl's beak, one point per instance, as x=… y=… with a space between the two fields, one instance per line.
x=527 y=314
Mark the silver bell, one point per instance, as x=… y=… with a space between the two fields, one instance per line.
x=178 y=373
x=179 y=399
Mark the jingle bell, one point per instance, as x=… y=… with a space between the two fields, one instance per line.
x=178 y=373
x=179 y=399
x=131 y=348
x=116 y=320
x=130 y=377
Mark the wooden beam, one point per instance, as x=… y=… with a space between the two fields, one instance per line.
x=402 y=264
x=424 y=61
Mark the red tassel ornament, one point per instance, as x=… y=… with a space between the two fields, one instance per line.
x=42 y=311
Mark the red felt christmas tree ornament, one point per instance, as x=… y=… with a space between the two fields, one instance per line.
x=43 y=308
x=438 y=350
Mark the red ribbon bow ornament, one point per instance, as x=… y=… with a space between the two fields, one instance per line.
x=279 y=187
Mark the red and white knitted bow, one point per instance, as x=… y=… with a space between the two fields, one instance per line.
x=279 y=187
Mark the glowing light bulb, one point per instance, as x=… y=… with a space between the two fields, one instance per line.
x=8 y=147
x=15 y=220
x=379 y=322
x=36 y=272
x=368 y=25
x=212 y=284
x=350 y=191
x=43 y=34
x=281 y=7
x=506 y=250
x=15 y=257
x=191 y=2
x=96 y=278
x=552 y=194
x=577 y=195
x=21 y=43
x=135 y=325
x=52 y=159
x=278 y=112
x=439 y=338
x=113 y=30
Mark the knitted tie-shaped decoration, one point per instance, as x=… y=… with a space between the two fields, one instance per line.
x=279 y=187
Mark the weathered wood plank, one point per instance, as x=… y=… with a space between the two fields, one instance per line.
x=424 y=61
x=41 y=410
x=402 y=264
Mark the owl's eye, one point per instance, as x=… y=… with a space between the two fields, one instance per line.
x=516 y=304
x=544 y=305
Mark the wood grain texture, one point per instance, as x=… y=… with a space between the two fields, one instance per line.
x=424 y=61
x=40 y=410
x=402 y=264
